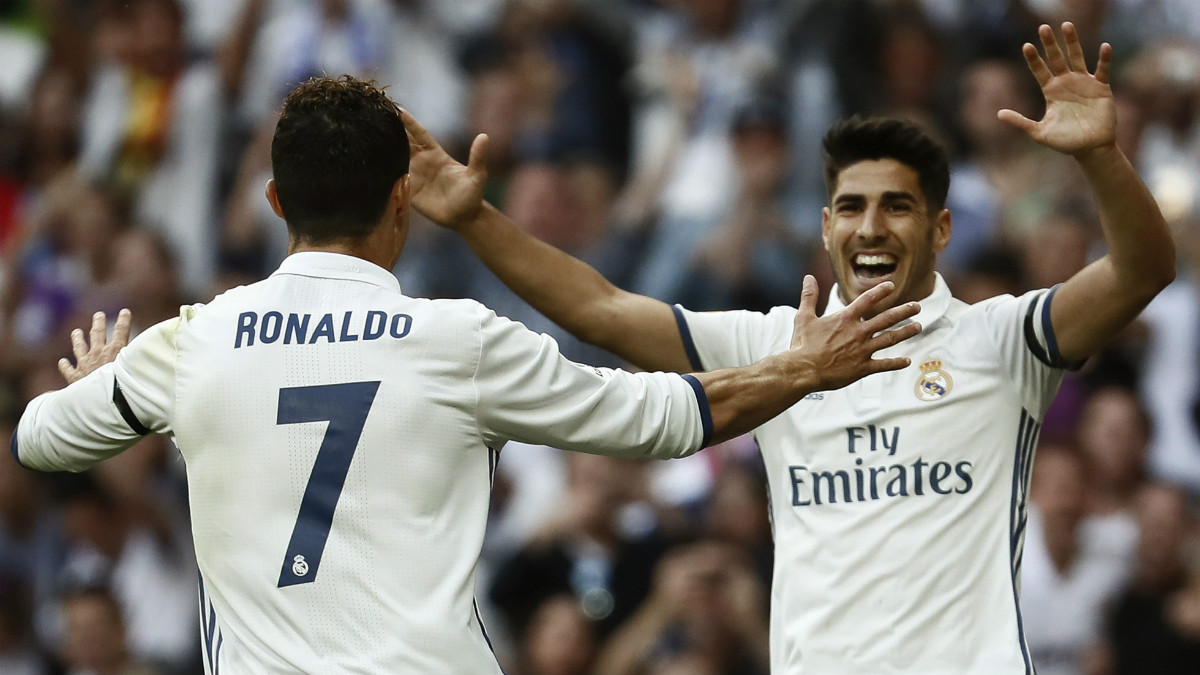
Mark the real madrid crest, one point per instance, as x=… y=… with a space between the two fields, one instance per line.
x=933 y=383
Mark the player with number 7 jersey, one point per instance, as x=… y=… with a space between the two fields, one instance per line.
x=340 y=437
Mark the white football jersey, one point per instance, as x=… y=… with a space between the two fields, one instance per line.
x=899 y=502
x=340 y=441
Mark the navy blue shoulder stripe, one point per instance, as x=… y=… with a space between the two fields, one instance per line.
x=689 y=345
x=1051 y=358
x=127 y=412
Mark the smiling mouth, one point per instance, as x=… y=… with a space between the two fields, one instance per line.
x=869 y=266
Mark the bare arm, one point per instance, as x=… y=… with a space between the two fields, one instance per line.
x=570 y=292
x=1080 y=120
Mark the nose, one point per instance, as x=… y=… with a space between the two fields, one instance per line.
x=871 y=227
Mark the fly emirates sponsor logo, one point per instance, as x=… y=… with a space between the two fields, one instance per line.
x=815 y=486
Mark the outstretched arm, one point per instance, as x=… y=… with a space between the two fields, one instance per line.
x=570 y=292
x=1080 y=120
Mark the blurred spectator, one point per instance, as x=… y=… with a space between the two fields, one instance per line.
x=599 y=544
x=118 y=536
x=560 y=639
x=1067 y=581
x=753 y=259
x=67 y=252
x=707 y=611
x=1148 y=632
x=694 y=67
x=94 y=641
x=999 y=190
x=308 y=38
x=151 y=131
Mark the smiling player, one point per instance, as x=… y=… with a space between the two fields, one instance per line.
x=898 y=501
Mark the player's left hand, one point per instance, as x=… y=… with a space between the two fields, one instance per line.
x=1080 y=113
x=444 y=190
x=101 y=350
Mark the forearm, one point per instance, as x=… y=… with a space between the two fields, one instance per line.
x=741 y=399
x=575 y=296
x=1140 y=248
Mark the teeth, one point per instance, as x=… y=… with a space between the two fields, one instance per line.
x=878 y=259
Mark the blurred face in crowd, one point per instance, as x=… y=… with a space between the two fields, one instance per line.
x=878 y=227
x=94 y=633
x=1113 y=433
x=987 y=87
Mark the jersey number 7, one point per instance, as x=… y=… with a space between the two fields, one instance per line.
x=345 y=407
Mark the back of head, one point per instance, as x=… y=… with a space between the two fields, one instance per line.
x=339 y=148
x=859 y=139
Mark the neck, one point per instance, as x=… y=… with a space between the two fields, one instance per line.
x=366 y=248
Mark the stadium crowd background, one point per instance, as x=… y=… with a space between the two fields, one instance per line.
x=675 y=144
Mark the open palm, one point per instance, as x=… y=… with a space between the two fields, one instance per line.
x=442 y=189
x=1080 y=112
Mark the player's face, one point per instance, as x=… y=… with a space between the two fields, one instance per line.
x=878 y=228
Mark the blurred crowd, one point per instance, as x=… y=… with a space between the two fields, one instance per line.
x=673 y=144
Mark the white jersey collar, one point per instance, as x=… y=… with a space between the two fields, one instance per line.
x=933 y=306
x=323 y=264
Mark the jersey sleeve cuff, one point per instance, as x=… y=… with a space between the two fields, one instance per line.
x=705 y=414
x=1045 y=346
x=13 y=445
x=689 y=345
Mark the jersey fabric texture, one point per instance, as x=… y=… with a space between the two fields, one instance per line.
x=899 y=502
x=340 y=440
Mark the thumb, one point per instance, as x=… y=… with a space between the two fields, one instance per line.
x=1016 y=119
x=475 y=161
x=808 y=300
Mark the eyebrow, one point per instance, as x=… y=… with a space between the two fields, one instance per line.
x=889 y=196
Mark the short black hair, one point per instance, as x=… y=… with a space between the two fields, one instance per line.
x=339 y=148
x=858 y=139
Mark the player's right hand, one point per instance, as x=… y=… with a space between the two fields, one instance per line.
x=101 y=350
x=442 y=189
x=840 y=346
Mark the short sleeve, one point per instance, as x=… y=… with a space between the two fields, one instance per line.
x=733 y=339
x=1023 y=336
x=527 y=391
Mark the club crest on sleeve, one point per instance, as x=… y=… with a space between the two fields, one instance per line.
x=933 y=382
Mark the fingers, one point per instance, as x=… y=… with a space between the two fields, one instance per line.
x=78 y=345
x=99 y=329
x=1074 y=49
x=891 y=338
x=864 y=302
x=475 y=161
x=884 y=365
x=420 y=138
x=808 y=297
x=66 y=370
x=1054 y=55
x=1104 y=65
x=891 y=317
x=120 y=336
x=1036 y=65
x=1017 y=120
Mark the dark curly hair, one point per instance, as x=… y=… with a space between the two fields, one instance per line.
x=339 y=148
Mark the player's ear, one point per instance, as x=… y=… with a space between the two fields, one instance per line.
x=941 y=231
x=825 y=214
x=400 y=194
x=273 y=199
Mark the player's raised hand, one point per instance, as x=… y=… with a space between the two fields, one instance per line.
x=96 y=350
x=442 y=189
x=839 y=347
x=1080 y=113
